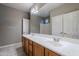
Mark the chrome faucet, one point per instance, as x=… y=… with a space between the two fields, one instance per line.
x=56 y=39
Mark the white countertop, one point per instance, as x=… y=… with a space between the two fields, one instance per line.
x=66 y=46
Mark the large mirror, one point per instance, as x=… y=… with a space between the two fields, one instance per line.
x=60 y=20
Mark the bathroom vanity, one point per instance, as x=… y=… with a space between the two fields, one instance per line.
x=45 y=45
x=32 y=48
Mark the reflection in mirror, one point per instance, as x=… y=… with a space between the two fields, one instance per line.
x=66 y=25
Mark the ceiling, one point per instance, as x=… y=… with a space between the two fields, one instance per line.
x=25 y=7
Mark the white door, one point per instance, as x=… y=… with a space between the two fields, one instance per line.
x=25 y=26
x=70 y=24
x=57 y=25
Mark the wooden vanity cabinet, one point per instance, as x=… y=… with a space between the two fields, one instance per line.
x=34 y=49
x=27 y=46
x=38 y=50
x=50 y=53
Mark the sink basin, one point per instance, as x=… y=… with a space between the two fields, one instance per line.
x=49 y=41
x=54 y=43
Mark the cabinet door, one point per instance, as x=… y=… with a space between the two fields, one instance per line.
x=57 y=25
x=38 y=50
x=30 y=48
x=26 y=46
x=70 y=24
x=50 y=53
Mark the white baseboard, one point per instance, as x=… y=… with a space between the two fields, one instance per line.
x=20 y=44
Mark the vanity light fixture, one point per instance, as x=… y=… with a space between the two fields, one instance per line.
x=34 y=10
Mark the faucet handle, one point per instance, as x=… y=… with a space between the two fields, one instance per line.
x=56 y=39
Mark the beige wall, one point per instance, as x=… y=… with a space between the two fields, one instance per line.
x=66 y=8
x=10 y=25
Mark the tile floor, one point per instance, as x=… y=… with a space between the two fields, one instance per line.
x=12 y=50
